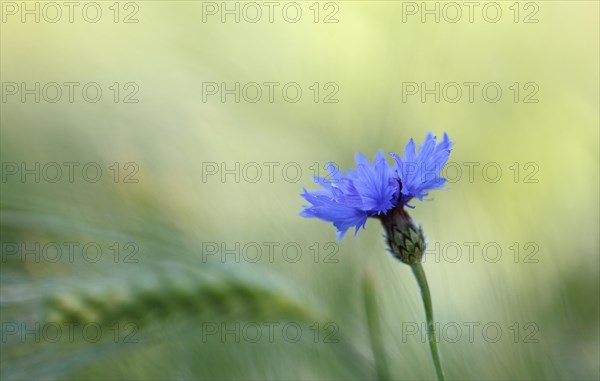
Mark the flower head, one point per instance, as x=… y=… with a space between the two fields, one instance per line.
x=376 y=188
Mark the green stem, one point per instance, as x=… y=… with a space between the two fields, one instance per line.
x=417 y=269
x=381 y=365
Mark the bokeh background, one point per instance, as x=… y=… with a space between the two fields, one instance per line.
x=157 y=309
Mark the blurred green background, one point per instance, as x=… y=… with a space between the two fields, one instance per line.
x=172 y=281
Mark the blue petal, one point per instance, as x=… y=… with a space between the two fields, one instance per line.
x=328 y=209
x=374 y=186
x=347 y=200
x=419 y=172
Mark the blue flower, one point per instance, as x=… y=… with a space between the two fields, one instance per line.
x=374 y=189
x=419 y=172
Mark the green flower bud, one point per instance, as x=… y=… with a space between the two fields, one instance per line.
x=404 y=237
